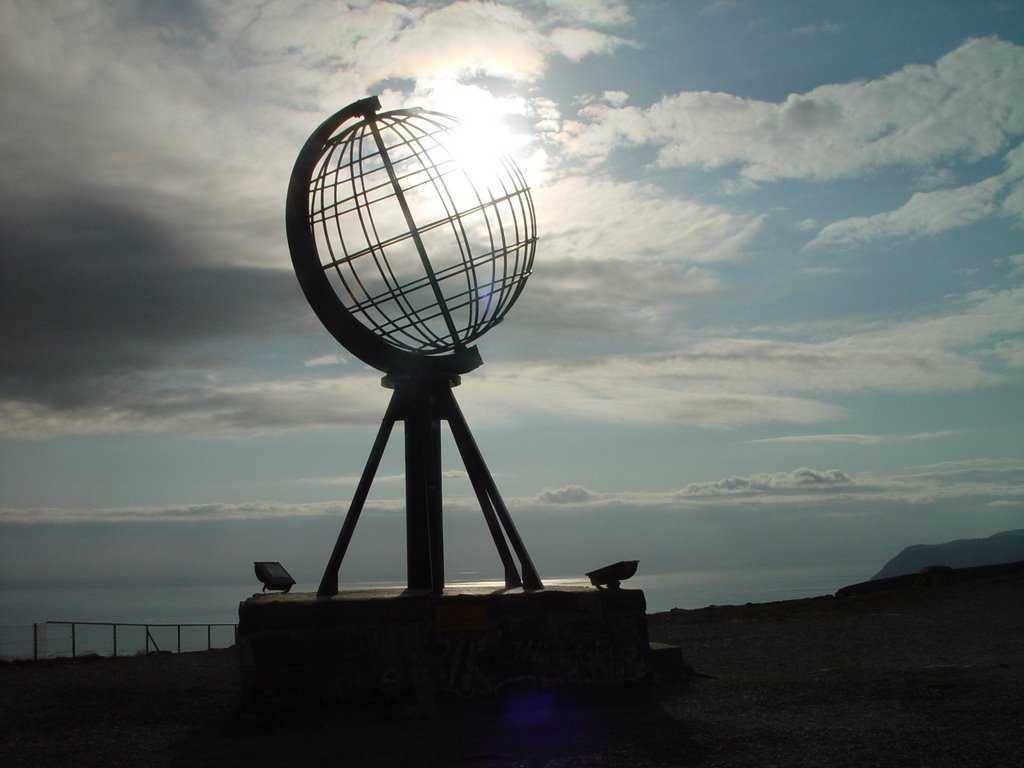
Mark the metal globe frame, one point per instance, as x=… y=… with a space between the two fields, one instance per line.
x=414 y=322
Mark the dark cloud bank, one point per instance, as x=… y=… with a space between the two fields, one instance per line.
x=94 y=296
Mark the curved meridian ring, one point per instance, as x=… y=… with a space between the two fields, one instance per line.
x=407 y=245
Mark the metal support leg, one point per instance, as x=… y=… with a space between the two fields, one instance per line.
x=422 y=404
x=470 y=454
x=475 y=466
x=329 y=582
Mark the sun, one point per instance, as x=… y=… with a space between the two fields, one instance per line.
x=491 y=125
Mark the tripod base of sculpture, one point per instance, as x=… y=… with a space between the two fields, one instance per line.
x=412 y=647
x=422 y=402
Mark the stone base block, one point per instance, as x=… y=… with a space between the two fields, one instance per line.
x=409 y=647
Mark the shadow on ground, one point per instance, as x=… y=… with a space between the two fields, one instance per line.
x=525 y=728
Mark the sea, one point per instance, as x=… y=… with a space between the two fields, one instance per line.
x=36 y=620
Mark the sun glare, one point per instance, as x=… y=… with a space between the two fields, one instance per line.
x=487 y=120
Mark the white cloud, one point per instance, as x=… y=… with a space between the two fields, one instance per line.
x=979 y=319
x=598 y=219
x=635 y=390
x=855 y=438
x=615 y=98
x=925 y=214
x=730 y=382
x=603 y=13
x=330 y=359
x=576 y=43
x=570 y=494
x=798 y=479
x=967 y=105
x=819 y=28
x=613 y=298
x=349 y=480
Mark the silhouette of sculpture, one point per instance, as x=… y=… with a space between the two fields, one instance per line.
x=409 y=245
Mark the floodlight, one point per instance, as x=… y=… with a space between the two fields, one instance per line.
x=274 y=576
x=611 y=575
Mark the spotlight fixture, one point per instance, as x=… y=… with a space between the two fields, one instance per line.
x=611 y=575
x=273 y=576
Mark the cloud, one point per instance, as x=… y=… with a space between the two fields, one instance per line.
x=634 y=390
x=728 y=382
x=91 y=290
x=967 y=106
x=800 y=517
x=602 y=13
x=141 y=202
x=855 y=439
x=974 y=480
x=799 y=479
x=599 y=219
x=352 y=480
x=571 y=494
x=576 y=43
x=615 y=98
x=148 y=153
x=134 y=405
x=254 y=510
x=926 y=214
x=820 y=28
x=329 y=359
x=722 y=382
x=614 y=297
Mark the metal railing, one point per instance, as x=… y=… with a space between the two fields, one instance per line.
x=149 y=644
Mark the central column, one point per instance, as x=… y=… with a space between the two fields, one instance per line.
x=424 y=520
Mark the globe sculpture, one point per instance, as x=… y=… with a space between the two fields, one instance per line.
x=410 y=243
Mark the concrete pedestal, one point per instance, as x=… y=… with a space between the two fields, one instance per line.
x=410 y=647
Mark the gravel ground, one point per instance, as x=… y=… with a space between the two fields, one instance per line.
x=925 y=677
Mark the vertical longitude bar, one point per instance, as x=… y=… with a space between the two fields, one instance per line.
x=415 y=233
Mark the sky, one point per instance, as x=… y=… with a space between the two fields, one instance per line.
x=776 y=315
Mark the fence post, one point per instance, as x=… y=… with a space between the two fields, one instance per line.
x=73 y=645
x=114 y=627
x=179 y=638
x=35 y=641
x=209 y=641
x=147 y=638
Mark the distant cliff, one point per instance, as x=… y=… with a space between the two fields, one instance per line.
x=1005 y=547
